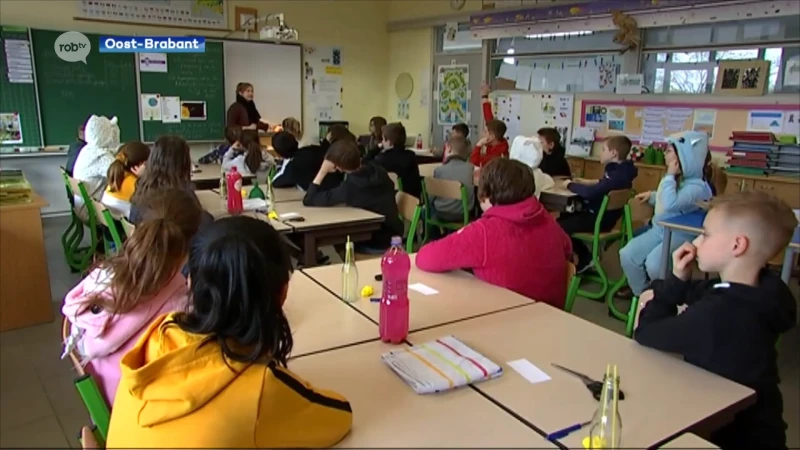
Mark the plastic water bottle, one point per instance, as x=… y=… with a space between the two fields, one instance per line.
x=234 y=183
x=395 y=266
x=223 y=186
x=419 y=142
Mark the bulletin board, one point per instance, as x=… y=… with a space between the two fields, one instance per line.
x=525 y=113
x=648 y=122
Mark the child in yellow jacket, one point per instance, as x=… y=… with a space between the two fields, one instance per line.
x=216 y=376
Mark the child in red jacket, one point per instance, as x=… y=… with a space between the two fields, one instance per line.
x=493 y=144
x=516 y=244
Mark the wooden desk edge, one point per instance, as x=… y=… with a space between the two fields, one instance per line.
x=37 y=202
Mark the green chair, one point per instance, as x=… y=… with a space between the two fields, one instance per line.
x=398 y=183
x=411 y=212
x=88 y=390
x=449 y=189
x=106 y=219
x=573 y=283
x=73 y=235
x=81 y=258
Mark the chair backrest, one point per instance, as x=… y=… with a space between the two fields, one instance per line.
x=640 y=212
x=128 y=227
x=618 y=199
x=73 y=184
x=100 y=211
x=407 y=205
x=437 y=187
x=398 y=183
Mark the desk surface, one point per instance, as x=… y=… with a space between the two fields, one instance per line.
x=322 y=217
x=460 y=296
x=559 y=191
x=217 y=207
x=320 y=321
x=693 y=223
x=681 y=394
x=209 y=172
x=37 y=202
x=388 y=414
x=689 y=440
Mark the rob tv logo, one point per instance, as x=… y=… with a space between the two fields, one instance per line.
x=73 y=46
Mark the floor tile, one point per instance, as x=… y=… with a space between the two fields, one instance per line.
x=43 y=433
x=22 y=404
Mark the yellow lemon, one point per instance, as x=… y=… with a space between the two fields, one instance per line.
x=273 y=215
x=366 y=291
x=594 y=443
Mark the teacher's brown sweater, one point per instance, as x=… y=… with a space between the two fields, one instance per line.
x=237 y=117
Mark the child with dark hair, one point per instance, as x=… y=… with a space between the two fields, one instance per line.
x=516 y=244
x=111 y=306
x=168 y=167
x=127 y=167
x=232 y=136
x=554 y=160
x=376 y=125
x=216 y=375
x=396 y=158
x=300 y=164
x=366 y=186
x=246 y=155
x=337 y=132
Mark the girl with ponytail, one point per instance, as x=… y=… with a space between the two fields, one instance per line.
x=122 y=175
x=113 y=305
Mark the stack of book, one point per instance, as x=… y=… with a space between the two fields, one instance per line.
x=760 y=153
x=14 y=188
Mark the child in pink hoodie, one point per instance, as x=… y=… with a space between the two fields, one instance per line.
x=516 y=244
x=111 y=306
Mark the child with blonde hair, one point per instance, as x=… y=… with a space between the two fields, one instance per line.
x=128 y=165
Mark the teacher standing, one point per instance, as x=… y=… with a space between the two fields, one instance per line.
x=243 y=112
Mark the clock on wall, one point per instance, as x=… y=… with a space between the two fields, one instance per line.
x=457 y=4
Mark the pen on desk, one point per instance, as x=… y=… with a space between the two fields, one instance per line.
x=560 y=434
x=375 y=299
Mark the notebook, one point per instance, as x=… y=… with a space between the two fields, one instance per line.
x=440 y=365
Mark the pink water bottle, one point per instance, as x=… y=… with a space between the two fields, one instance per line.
x=395 y=266
x=418 y=142
x=234 y=182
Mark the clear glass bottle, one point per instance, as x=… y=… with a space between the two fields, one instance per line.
x=223 y=185
x=606 y=428
x=350 y=291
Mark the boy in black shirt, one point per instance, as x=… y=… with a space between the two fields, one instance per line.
x=554 y=161
x=398 y=159
x=366 y=186
x=300 y=165
x=731 y=324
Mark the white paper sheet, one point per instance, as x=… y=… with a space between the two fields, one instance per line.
x=524 y=77
x=151 y=107
x=791 y=122
x=153 y=62
x=423 y=289
x=539 y=79
x=528 y=371
x=508 y=71
x=171 y=109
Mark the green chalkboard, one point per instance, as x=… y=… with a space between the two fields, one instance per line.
x=70 y=92
x=18 y=98
x=192 y=77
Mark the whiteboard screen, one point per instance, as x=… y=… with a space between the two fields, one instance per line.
x=274 y=71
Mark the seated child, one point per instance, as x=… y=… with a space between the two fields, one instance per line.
x=678 y=193
x=366 y=186
x=516 y=244
x=528 y=150
x=246 y=155
x=458 y=130
x=618 y=174
x=111 y=306
x=75 y=149
x=376 y=125
x=396 y=158
x=300 y=165
x=122 y=175
x=493 y=144
x=232 y=136
x=335 y=133
x=554 y=162
x=732 y=324
x=455 y=168
x=91 y=165
x=215 y=376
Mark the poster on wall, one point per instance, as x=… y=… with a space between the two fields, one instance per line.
x=10 y=129
x=453 y=94
x=185 y=13
x=322 y=79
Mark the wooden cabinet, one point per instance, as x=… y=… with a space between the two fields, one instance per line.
x=738 y=184
x=648 y=178
x=786 y=191
x=593 y=170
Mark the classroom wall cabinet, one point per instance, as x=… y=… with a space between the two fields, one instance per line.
x=787 y=189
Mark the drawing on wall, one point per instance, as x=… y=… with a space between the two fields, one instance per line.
x=595 y=116
x=616 y=118
x=453 y=94
x=10 y=129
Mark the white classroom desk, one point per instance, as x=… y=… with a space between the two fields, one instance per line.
x=664 y=396
x=320 y=321
x=461 y=295
x=217 y=207
x=388 y=414
x=689 y=440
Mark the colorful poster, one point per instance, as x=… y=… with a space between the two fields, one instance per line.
x=616 y=118
x=186 y=13
x=595 y=116
x=791 y=123
x=453 y=94
x=704 y=120
x=151 y=107
x=403 y=110
x=10 y=129
x=769 y=121
x=322 y=78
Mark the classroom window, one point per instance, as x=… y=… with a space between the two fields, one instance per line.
x=751 y=31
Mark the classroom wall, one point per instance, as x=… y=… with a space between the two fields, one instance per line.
x=410 y=51
x=359 y=27
x=400 y=10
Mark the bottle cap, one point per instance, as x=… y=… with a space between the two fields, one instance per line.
x=397 y=241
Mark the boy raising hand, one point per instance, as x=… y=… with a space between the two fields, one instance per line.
x=732 y=324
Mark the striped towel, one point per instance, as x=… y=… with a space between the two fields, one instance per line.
x=440 y=365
